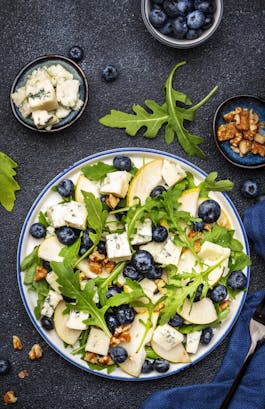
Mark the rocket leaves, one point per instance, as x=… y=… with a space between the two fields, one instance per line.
x=176 y=109
x=8 y=185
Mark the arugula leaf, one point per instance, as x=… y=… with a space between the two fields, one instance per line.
x=70 y=253
x=169 y=113
x=210 y=185
x=97 y=367
x=238 y=260
x=43 y=219
x=8 y=185
x=29 y=265
x=150 y=353
x=42 y=288
x=127 y=297
x=97 y=171
x=223 y=237
x=70 y=287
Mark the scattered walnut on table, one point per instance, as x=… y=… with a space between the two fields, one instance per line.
x=23 y=374
x=36 y=352
x=17 y=344
x=9 y=397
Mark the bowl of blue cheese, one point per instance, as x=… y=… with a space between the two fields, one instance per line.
x=49 y=94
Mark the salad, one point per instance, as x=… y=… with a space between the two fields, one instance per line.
x=135 y=264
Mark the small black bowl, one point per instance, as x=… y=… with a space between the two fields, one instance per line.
x=48 y=60
x=249 y=161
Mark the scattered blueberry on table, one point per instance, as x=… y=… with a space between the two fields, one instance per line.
x=5 y=366
x=182 y=19
x=76 y=53
x=109 y=73
x=249 y=189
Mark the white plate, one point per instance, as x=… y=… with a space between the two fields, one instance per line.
x=48 y=197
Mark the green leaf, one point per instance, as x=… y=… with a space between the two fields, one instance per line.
x=210 y=185
x=42 y=288
x=29 y=265
x=150 y=353
x=70 y=253
x=169 y=134
x=223 y=237
x=70 y=287
x=43 y=219
x=8 y=185
x=126 y=297
x=97 y=171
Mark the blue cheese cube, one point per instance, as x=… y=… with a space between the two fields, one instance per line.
x=116 y=183
x=143 y=232
x=118 y=248
x=193 y=342
x=19 y=96
x=58 y=72
x=97 y=342
x=167 y=337
x=44 y=119
x=170 y=253
x=75 y=320
x=172 y=173
x=67 y=92
x=73 y=214
x=41 y=95
x=113 y=224
x=153 y=248
x=50 y=303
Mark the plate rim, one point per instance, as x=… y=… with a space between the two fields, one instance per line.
x=23 y=293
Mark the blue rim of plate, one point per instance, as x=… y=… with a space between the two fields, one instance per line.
x=249 y=161
x=22 y=237
x=69 y=65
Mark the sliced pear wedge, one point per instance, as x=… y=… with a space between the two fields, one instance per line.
x=189 y=201
x=83 y=183
x=147 y=177
x=177 y=354
x=200 y=312
x=68 y=335
x=50 y=248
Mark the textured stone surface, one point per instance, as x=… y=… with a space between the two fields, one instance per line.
x=110 y=32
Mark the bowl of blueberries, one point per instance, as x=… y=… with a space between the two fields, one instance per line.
x=182 y=23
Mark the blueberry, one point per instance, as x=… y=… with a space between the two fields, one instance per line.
x=101 y=246
x=122 y=163
x=130 y=272
x=206 y=336
x=249 y=189
x=65 y=188
x=86 y=240
x=65 y=235
x=112 y=290
x=157 y=17
x=193 y=34
x=237 y=280
x=198 y=293
x=218 y=293
x=209 y=211
x=47 y=323
x=46 y=265
x=120 y=215
x=198 y=226
x=166 y=28
x=209 y=20
x=155 y=272
x=159 y=234
x=161 y=365
x=205 y=6
x=111 y=321
x=195 y=19
x=176 y=321
x=171 y=8
x=76 y=53
x=147 y=367
x=142 y=261
x=125 y=314
x=37 y=230
x=83 y=249
x=179 y=26
x=157 y=191
x=109 y=73
x=185 y=7
x=118 y=354
x=5 y=366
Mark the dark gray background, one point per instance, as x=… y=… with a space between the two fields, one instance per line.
x=110 y=32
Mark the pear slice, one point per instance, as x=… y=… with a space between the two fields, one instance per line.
x=200 y=312
x=50 y=248
x=134 y=365
x=83 y=183
x=189 y=201
x=147 y=177
x=177 y=354
x=68 y=335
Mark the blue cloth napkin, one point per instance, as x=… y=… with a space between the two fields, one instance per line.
x=251 y=391
x=254 y=222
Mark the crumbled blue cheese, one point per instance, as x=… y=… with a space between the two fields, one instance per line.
x=73 y=214
x=143 y=232
x=19 y=96
x=58 y=72
x=50 y=303
x=67 y=92
x=172 y=173
x=167 y=337
x=41 y=95
x=97 y=342
x=193 y=342
x=170 y=253
x=116 y=183
x=62 y=112
x=118 y=248
x=76 y=318
x=43 y=119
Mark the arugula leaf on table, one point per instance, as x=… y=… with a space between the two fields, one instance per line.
x=210 y=185
x=169 y=114
x=8 y=185
x=70 y=287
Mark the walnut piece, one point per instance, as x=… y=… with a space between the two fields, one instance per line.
x=9 y=397
x=23 y=374
x=112 y=201
x=258 y=149
x=95 y=267
x=36 y=352
x=91 y=357
x=17 y=344
x=105 y=360
x=41 y=273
